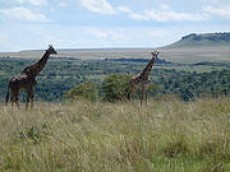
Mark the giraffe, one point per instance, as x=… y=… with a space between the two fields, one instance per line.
x=141 y=80
x=27 y=79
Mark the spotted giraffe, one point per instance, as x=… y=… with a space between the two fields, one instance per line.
x=27 y=79
x=141 y=81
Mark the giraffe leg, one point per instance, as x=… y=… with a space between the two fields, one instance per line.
x=32 y=97
x=131 y=89
x=11 y=98
x=27 y=100
x=142 y=96
x=16 y=99
x=29 y=93
x=146 y=97
x=131 y=93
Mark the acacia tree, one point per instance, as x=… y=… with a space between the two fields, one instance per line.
x=87 y=90
x=115 y=87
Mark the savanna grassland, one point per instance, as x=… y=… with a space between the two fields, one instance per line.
x=82 y=121
x=167 y=135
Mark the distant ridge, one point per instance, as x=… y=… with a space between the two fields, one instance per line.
x=203 y=40
x=192 y=48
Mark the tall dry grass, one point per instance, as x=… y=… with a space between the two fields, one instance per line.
x=167 y=135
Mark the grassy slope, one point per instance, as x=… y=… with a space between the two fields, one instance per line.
x=192 y=48
x=199 y=47
x=168 y=135
x=194 y=54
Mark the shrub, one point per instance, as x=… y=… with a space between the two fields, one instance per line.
x=115 y=87
x=87 y=90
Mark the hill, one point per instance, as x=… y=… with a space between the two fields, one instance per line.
x=167 y=135
x=192 y=48
x=86 y=54
x=202 y=40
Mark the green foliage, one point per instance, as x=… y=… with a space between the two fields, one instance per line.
x=153 y=89
x=85 y=90
x=115 y=87
x=189 y=85
x=188 y=82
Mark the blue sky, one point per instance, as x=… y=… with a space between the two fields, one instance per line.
x=33 y=24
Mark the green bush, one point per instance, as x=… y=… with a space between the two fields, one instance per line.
x=115 y=87
x=87 y=90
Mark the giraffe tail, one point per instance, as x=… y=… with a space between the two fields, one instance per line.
x=7 y=95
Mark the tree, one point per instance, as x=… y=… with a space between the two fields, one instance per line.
x=153 y=89
x=187 y=94
x=87 y=90
x=115 y=87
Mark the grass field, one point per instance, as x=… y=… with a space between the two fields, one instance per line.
x=167 y=135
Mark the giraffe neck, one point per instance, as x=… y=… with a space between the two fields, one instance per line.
x=42 y=62
x=35 y=69
x=146 y=71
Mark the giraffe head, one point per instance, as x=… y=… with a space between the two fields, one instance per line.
x=155 y=54
x=51 y=50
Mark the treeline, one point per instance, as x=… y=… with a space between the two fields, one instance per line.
x=140 y=60
x=189 y=85
x=108 y=80
x=215 y=37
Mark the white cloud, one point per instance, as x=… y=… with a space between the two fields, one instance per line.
x=100 y=34
x=107 y=34
x=98 y=6
x=211 y=1
x=163 y=15
x=62 y=4
x=33 y=2
x=132 y=14
x=87 y=37
x=127 y=36
x=164 y=7
x=24 y=14
x=219 y=11
x=157 y=33
x=3 y=38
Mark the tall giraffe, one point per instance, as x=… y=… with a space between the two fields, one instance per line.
x=141 y=80
x=27 y=79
